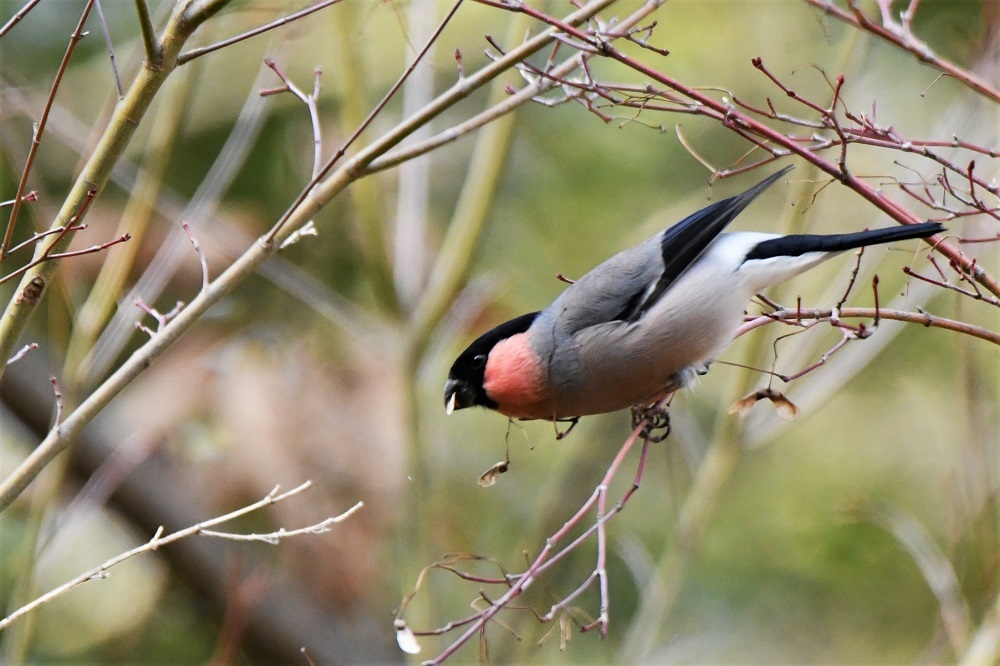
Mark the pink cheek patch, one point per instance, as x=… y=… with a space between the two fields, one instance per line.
x=513 y=375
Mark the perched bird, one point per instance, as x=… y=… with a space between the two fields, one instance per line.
x=645 y=322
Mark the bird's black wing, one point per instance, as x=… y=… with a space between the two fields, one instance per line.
x=684 y=242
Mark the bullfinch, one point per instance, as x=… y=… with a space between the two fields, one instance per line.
x=644 y=323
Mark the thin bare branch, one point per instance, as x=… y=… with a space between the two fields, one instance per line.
x=42 y=234
x=30 y=196
x=92 y=249
x=922 y=318
x=273 y=538
x=111 y=48
x=16 y=18
x=310 y=100
x=205 y=280
x=149 y=43
x=188 y=56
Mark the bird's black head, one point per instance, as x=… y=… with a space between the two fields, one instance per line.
x=464 y=387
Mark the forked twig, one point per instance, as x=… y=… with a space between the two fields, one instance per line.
x=517 y=584
x=60 y=233
x=158 y=540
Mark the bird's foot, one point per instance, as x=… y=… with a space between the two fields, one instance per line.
x=563 y=433
x=657 y=421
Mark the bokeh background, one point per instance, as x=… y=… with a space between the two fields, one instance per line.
x=749 y=540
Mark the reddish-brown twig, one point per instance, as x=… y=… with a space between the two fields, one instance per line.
x=847 y=337
x=975 y=294
x=49 y=255
x=162 y=318
x=30 y=196
x=905 y=40
x=517 y=584
x=89 y=250
x=853 y=276
x=36 y=137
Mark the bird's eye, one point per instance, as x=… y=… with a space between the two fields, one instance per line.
x=479 y=360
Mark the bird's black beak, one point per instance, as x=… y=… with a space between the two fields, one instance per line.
x=456 y=395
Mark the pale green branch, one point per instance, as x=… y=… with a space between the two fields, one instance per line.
x=110 y=148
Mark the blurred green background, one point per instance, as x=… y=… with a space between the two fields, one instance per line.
x=770 y=541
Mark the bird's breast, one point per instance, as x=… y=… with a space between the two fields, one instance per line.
x=515 y=379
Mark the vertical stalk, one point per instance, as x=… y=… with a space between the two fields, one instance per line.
x=450 y=274
x=660 y=595
x=136 y=217
x=410 y=251
x=710 y=482
x=365 y=193
x=16 y=640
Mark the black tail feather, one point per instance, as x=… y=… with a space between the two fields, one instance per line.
x=798 y=244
